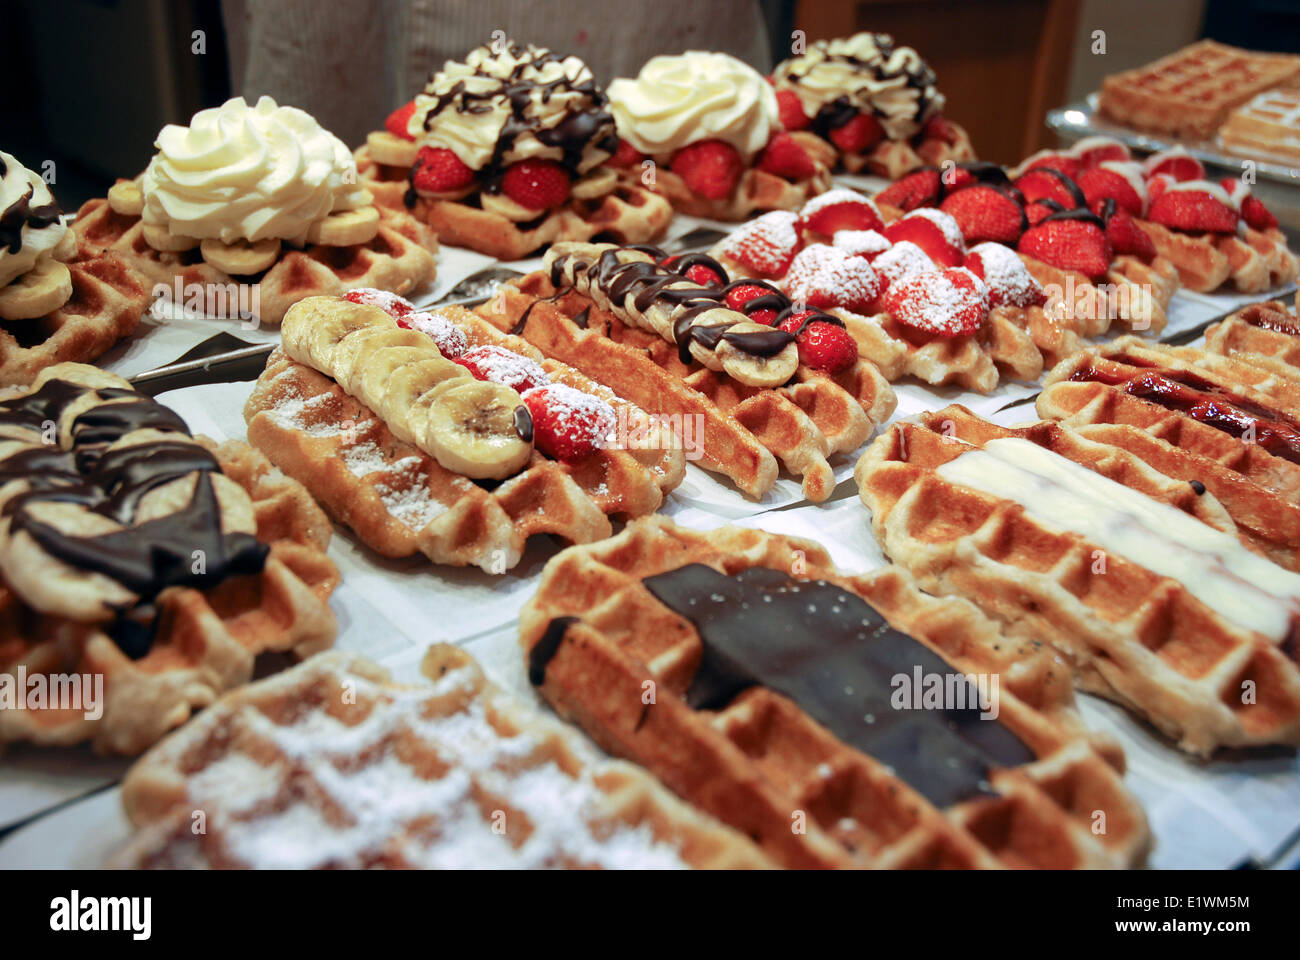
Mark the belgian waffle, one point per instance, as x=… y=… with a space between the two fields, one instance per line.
x=1270 y=123
x=1253 y=261
x=892 y=159
x=1266 y=334
x=161 y=655
x=952 y=500
x=108 y=297
x=366 y=468
x=746 y=734
x=746 y=428
x=400 y=258
x=1191 y=92
x=333 y=765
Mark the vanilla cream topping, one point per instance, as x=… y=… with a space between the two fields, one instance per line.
x=497 y=108
x=33 y=224
x=676 y=100
x=1242 y=587
x=249 y=173
x=872 y=74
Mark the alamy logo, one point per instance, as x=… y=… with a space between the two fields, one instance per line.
x=945 y=691
x=53 y=691
x=102 y=914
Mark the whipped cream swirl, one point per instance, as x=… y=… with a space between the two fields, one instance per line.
x=31 y=224
x=676 y=100
x=249 y=173
x=865 y=72
x=519 y=103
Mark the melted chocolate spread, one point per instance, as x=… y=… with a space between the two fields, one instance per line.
x=21 y=213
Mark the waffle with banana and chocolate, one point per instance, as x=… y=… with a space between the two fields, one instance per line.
x=664 y=332
x=786 y=700
x=1163 y=575
x=334 y=765
x=434 y=433
x=507 y=152
x=133 y=552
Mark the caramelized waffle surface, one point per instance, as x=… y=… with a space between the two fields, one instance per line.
x=89 y=587
x=1266 y=334
x=108 y=298
x=398 y=258
x=1253 y=262
x=1191 y=92
x=334 y=765
x=1146 y=622
x=597 y=637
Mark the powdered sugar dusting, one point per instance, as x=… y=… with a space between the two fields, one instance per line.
x=390 y=303
x=514 y=370
x=939 y=303
x=947 y=225
x=826 y=276
x=451 y=339
x=903 y=259
x=580 y=415
x=861 y=243
x=765 y=243
x=1008 y=280
x=833 y=198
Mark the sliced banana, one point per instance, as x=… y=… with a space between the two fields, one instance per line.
x=345 y=228
x=38 y=292
x=391 y=150
x=66 y=248
x=407 y=384
x=126 y=197
x=372 y=383
x=313 y=327
x=471 y=429
x=241 y=257
x=502 y=205
x=164 y=241
x=349 y=354
x=754 y=369
x=596 y=184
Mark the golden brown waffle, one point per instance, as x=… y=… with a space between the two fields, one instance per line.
x=206 y=641
x=1254 y=262
x=1270 y=123
x=893 y=159
x=1267 y=334
x=764 y=766
x=400 y=258
x=344 y=768
x=1146 y=640
x=108 y=298
x=1191 y=92
x=628 y=213
x=400 y=500
x=745 y=429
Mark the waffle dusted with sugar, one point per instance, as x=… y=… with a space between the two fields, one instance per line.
x=1078 y=538
x=130 y=549
x=776 y=705
x=334 y=765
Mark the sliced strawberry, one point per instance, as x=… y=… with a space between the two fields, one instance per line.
x=398 y=119
x=861 y=243
x=1098 y=150
x=1066 y=164
x=1178 y=164
x=567 y=423
x=393 y=305
x=943 y=303
x=1008 y=280
x=859 y=135
x=827 y=346
x=625 y=156
x=701 y=273
x=764 y=245
x=1100 y=184
x=920 y=189
x=1126 y=237
x=438 y=170
x=1256 y=215
x=784 y=157
x=901 y=260
x=1051 y=184
x=1039 y=210
x=451 y=339
x=1070 y=245
x=938 y=127
x=984 y=213
x=514 y=370
x=791 y=110
x=839 y=209
x=1193 y=211
x=1158 y=185
x=711 y=168
x=739 y=298
x=934 y=231
x=536 y=184
x=822 y=276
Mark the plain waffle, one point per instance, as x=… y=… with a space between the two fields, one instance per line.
x=203 y=640
x=1267 y=334
x=1204 y=677
x=399 y=258
x=1270 y=123
x=334 y=765
x=1254 y=261
x=608 y=653
x=108 y=297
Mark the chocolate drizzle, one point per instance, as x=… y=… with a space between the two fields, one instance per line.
x=145 y=557
x=524 y=424
x=22 y=213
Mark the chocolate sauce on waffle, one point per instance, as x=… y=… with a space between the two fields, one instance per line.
x=834 y=655
x=21 y=213
x=146 y=557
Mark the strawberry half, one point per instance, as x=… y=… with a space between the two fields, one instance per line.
x=934 y=231
x=514 y=370
x=398 y=119
x=784 y=157
x=1008 y=280
x=625 y=156
x=711 y=168
x=822 y=276
x=901 y=260
x=1100 y=184
x=764 y=245
x=1066 y=164
x=739 y=297
x=859 y=135
x=1051 y=184
x=1178 y=164
x=943 y=303
x=1256 y=215
x=700 y=273
x=839 y=209
x=1070 y=245
x=1193 y=211
x=536 y=184
x=939 y=128
x=567 y=423
x=984 y=213
x=1126 y=237
x=790 y=108
x=827 y=346
x=920 y=189
x=1097 y=150
x=438 y=170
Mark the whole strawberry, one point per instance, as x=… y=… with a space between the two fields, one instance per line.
x=1126 y=237
x=398 y=119
x=625 y=156
x=567 y=423
x=711 y=168
x=1070 y=245
x=536 y=184
x=858 y=135
x=920 y=189
x=1193 y=211
x=438 y=170
x=984 y=213
x=827 y=346
x=791 y=110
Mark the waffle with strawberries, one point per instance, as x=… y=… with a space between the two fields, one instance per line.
x=761 y=678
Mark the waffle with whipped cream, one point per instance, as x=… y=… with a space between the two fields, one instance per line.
x=507 y=152
x=783 y=698
x=334 y=765
x=871 y=105
x=277 y=214
x=1138 y=534
x=136 y=554
x=60 y=301
x=460 y=459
